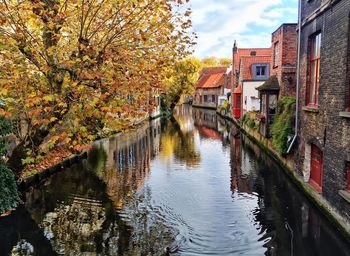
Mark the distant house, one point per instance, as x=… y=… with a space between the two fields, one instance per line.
x=251 y=68
x=210 y=86
x=227 y=87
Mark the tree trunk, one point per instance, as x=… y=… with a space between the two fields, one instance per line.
x=19 y=152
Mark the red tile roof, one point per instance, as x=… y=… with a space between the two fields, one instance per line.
x=211 y=78
x=246 y=65
x=246 y=52
x=213 y=70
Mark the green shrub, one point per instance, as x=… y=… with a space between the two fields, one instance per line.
x=8 y=190
x=283 y=124
x=9 y=197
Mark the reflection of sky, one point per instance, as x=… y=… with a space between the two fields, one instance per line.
x=200 y=204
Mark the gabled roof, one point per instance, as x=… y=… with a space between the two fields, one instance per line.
x=246 y=65
x=270 y=85
x=211 y=77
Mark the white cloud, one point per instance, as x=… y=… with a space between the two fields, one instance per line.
x=250 y=22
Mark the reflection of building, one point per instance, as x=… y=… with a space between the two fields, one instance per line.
x=204 y=117
x=206 y=122
x=128 y=161
x=80 y=218
x=242 y=168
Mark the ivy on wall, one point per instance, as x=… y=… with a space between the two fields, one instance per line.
x=283 y=124
x=9 y=197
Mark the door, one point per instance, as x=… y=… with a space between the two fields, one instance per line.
x=316 y=167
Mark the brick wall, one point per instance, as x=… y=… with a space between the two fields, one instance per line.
x=324 y=126
x=285 y=37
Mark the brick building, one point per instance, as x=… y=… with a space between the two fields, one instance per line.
x=250 y=69
x=284 y=57
x=283 y=66
x=210 y=86
x=323 y=155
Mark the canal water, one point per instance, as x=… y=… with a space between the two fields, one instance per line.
x=187 y=186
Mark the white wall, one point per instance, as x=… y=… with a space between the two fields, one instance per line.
x=250 y=96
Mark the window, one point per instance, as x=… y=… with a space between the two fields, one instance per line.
x=347 y=188
x=263 y=104
x=260 y=71
x=314 y=70
x=272 y=104
x=276 y=52
x=205 y=98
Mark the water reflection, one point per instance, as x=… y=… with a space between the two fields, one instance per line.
x=192 y=184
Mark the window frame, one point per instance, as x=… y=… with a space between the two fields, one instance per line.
x=314 y=61
x=276 y=52
x=255 y=69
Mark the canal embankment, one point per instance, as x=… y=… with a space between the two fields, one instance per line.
x=288 y=165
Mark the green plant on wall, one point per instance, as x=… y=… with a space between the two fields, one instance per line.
x=283 y=124
x=248 y=121
x=9 y=197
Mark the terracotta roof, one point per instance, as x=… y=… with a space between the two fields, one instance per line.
x=270 y=85
x=246 y=52
x=213 y=70
x=211 y=77
x=246 y=65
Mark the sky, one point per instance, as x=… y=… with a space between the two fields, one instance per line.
x=218 y=23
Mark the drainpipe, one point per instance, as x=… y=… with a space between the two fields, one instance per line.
x=298 y=82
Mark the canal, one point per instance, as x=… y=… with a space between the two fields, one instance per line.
x=186 y=186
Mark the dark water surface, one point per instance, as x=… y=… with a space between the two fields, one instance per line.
x=188 y=184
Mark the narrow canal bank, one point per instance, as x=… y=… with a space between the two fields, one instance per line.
x=186 y=184
x=288 y=166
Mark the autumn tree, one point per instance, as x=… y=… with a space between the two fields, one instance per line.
x=215 y=62
x=73 y=70
x=180 y=79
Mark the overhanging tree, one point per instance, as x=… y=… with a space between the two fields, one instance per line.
x=72 y=69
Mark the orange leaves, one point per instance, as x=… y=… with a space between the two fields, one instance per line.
x=85 y=73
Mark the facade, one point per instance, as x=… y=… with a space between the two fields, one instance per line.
x=284 y=57
x=268 y=93
x=323 y=155
x=250 y=69
x=283 y=66
x=252 y=72
x=227 y=87
x=210 y=86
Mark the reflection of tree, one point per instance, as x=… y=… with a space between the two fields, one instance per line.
x=180 y=143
